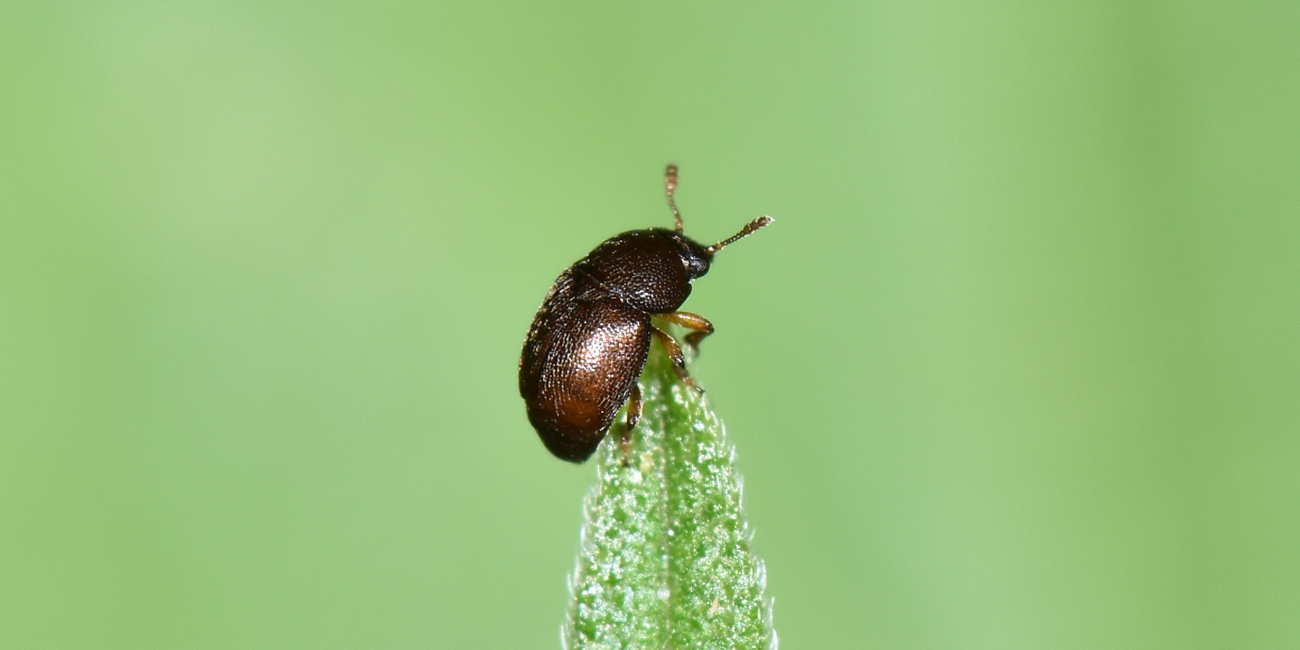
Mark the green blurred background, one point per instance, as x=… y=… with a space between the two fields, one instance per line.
x=1016 y=367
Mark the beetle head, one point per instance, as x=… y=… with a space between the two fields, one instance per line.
x=695 y=256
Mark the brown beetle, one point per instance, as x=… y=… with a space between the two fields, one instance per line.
x=589 y=341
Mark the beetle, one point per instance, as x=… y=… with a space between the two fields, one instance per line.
x=589 y=340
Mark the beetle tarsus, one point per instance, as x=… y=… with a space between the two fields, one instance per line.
x=700 y=327
x=634 y=407
x=633 y=416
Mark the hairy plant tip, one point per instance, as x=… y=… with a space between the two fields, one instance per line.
x=664 y=558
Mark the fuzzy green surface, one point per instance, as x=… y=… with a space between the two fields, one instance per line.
x=665 y=559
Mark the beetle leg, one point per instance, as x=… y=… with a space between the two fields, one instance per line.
x=700 y=326
x=633 y=416
x=675 y=355
x=634 y=407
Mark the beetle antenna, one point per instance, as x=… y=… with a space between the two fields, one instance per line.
x=670 y=184
x=749 y=228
